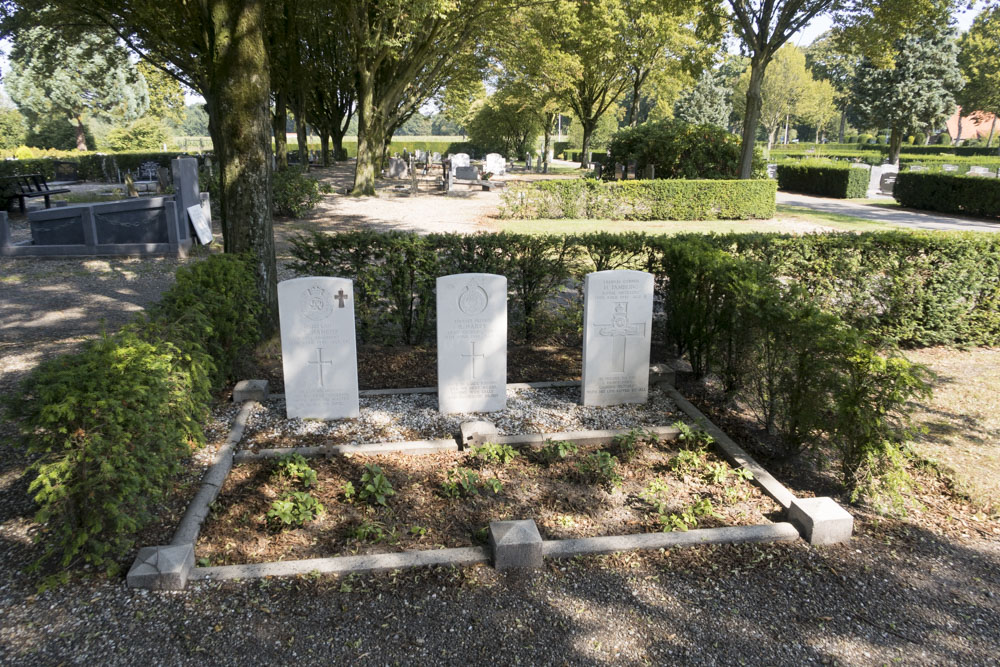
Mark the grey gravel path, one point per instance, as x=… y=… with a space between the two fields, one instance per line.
x=899 y=592
x=891 y=215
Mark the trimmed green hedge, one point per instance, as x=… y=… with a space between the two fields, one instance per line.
x=90 y=166
x=666 y=199
x=949 y=193
x=825 y=180
x=111 y=424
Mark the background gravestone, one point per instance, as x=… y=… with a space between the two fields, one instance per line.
x=459 y=160
x=472 y=342
x=398 y=167
x=495 y=164
x=187 y=193
x=467 y=173
x=617 y=323
x=318 y=351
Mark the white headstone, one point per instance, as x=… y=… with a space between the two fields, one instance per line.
x=495 y=164
x=949 y=167
x=459 y=160
x=318 y=351
x=202 y=227
x=472 y=342
x=617 y=331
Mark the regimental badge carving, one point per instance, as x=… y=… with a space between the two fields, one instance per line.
x=317 y=304
x=620 y=330
x=473 y=300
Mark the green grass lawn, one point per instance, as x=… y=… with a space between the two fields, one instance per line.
x=788 y=219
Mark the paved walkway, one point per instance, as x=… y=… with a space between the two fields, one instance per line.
x=891 y=215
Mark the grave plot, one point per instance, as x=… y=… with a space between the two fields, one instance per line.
x=290 y=507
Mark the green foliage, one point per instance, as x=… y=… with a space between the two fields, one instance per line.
x=114 y=420
x=463 y=482
x=504 y=125
x=109 y=426
x=870 y=420
x=824 y=179
x=293 y=192
x=642 y=200
x=370 y=530
x=294 y=508
x=375 y=485
x=679 y=150
x=145 y=134
x=689 y=516
x=557 y=450
x=491 y=452
x=12 y=128
x=707 y=102
x=59 y=133
x=348 y=490
x=691 y=438
x=296 y=468
x=948 y=193
x=600 y=467
x=687 y=461
x=628 y=445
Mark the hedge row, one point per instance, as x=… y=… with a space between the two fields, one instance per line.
x=111 y=424
x=90 y=166
x=844 y=182
x=906 y=149
x=661 y=199
x=911 y=289
x=949 y=193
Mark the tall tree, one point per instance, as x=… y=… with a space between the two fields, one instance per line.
x=917 y=89
x=217 y=48
x=328 y=70
x=785 y=84
x=763 y=27
x=818 y=106
x=827 y=60
x=979 y=60
x=707 y=102
x=166 y=97
x=55 y=75
x=403 y=54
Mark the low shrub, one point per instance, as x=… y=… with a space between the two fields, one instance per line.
x=375 y=486
x=641 y=200
x=948 y=193
x=680 y=150
x=114 y=421
x=293 y=192
x=826 y=180
x=145 y=134
x=600 y=468
x=294 y=508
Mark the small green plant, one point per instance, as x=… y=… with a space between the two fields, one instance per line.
x=627 y=445
x=743 y=474
x=294 y=508
x=692 y=438
x=491 y=452
x=687 y=461
x=688 y=517
x=717 y=473
x=348 y=490
x=463 y=482
x=295 y=467
x=600 y=468
x=417 y=531
x=651 y=494
x=557 y=450
x=375 y=486
x=370 y=530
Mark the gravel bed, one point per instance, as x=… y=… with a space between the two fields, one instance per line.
x=398 y=417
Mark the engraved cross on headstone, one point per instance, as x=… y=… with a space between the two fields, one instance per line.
x=620 y=330
x=474 y=356
x=341 y=296
x=319 y=365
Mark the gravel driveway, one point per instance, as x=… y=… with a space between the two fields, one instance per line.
x=924 y=590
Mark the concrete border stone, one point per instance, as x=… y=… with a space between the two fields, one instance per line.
x=516 y=545
x=163 y=568
x=250 y=390
x=775 y=532
x=821 y=520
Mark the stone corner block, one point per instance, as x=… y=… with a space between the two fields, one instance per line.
x=821 y=520
x=477 y=432
x=661 y=374
x=250 y=390
x=516 y=545
x=164 y=568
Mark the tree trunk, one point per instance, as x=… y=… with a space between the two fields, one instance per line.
x=588 y=132
x=843 y=126
x=895 y=144
x=338 y=146
x=958 y=134
x=369 y=137
x=324 y=142
x=633 y=107
x=302 y=138
x=280 y=122
x=549 y=118
x=770 y=139
x=81 y=135
x=786 y=129
x=993 y=126
x=241 y=129
x=750 y=119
